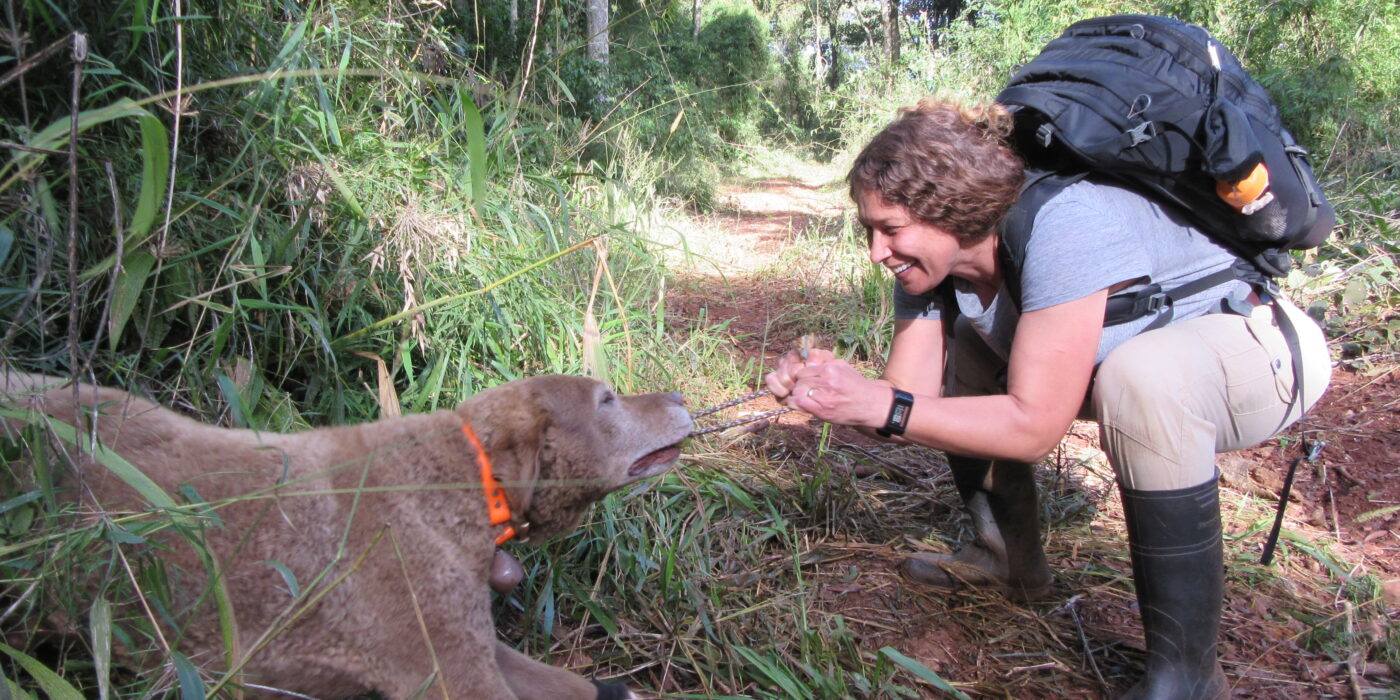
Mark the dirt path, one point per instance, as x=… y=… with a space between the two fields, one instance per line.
x=756 y=263
x=738 y=279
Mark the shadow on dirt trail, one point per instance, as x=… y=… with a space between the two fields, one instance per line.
x=1283 y=627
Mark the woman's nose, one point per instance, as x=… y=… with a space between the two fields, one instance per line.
x=879 y=250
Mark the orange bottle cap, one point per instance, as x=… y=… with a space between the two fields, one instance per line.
x=1252 y=187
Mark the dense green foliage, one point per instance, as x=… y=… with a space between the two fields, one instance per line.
x=308 y=204
x=370 y=203
x=1326 y=63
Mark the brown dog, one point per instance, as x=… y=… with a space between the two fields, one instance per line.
x=383 y=525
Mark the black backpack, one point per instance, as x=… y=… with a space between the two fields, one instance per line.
x=1157 y=105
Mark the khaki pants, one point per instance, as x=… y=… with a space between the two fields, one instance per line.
x=1169 y=399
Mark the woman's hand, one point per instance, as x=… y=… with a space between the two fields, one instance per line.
x=836 y=393
x=829 y=389
x=781 y=380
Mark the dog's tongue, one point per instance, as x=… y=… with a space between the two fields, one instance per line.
x=662 y=456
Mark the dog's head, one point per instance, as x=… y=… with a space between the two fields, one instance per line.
x=560 y=443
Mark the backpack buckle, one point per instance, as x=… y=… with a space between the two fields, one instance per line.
x=1142 y=133
x=1044 y=133
x=1151 y=304
x=1269 y=290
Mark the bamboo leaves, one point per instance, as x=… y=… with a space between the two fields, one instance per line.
x=136 y=265
x=476 y=150
x=131 y=279
x=155 y=168
x=51 y=683
x=923 y=672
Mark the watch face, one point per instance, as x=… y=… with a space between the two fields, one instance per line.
x=899 y=413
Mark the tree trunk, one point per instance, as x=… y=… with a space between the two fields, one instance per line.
x=892 y=32
x=695 y=19
x=834 y=67
x=514 y=17
x=598 y=30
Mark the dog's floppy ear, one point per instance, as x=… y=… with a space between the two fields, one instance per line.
x=568 y=481
x=512 y=426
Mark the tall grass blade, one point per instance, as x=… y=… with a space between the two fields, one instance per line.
x=136 y=268
x=288 y=577
x=342 y=187
x=114 y=462
x=20 y=500
x=155 y=168
x=595 y=357
x=140 y=22
x=923 y=672
x=55 y=136
x=15 y=692
x=389 y=406
x=191 y=685
x=476 y=151
x=49 y=682
x=242 y=413
x=779 y=676
x=7 y=241
x=100 y=617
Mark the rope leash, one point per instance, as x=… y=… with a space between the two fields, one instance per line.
x=735 y=402
x=804 y=345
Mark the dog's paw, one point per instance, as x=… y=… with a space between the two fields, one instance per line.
x=613 y=691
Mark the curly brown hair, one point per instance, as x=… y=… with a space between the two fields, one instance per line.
x=950 y=165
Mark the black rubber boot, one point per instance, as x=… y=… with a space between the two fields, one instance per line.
x=1179 y=573
x=1006 y=553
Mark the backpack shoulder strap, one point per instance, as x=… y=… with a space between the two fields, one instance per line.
x=1015 y=228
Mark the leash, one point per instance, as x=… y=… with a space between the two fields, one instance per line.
x=735 y=402
x=1310 y=456
x=804 y=345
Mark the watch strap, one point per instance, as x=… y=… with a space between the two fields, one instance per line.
x=900 y=407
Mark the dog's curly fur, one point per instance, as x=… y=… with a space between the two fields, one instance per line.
x=403 y=495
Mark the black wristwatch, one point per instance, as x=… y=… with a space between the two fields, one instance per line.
x=898 y=419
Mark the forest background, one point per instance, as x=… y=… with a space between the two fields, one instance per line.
x=289 y=214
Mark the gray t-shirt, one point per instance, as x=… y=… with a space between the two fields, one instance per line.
x=1089 y=237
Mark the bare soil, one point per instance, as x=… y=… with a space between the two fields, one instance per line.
x=1086 y=643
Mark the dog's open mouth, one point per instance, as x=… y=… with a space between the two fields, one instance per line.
x=658 y=458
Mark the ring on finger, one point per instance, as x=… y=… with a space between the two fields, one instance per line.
x=809 y=392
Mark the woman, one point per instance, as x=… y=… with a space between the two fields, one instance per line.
x=999 y=392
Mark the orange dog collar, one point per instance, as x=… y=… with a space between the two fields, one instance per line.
x=496 y=505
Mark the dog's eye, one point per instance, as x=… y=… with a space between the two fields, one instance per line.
x=607 y=399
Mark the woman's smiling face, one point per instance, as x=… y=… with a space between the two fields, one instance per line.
x=920 y=255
